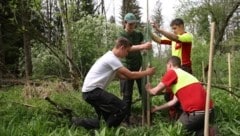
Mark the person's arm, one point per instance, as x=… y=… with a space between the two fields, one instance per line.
x=165 y=105
x=156 y=38
x=124 y=73
x=160 y=40
x=147 y=45
x=169 y=35
x=155 y=90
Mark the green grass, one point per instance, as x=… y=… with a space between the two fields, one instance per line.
x=20 y=116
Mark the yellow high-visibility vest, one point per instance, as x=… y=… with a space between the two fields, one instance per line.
x=183 y=79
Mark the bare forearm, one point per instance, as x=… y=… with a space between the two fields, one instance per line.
x=161 y=107
x=124 y=72
x=156 y=38
x=147 y=46
x=136 y=75
x=156 y=90
x=166 y=105
x=169 y=35
x=136 y=48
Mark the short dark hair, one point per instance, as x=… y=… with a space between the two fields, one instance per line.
x=175 y=61
x=177 y=21
x=123 y=42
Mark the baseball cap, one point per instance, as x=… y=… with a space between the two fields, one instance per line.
x=130 y=18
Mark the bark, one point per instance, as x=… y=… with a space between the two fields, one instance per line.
x=1 y=52
x=66 y=27
x=222 y=28
x=26 y=39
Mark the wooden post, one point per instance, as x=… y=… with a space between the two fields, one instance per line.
x=203 y=73
x=229 y=73
x=206 y=119
x=146 y=99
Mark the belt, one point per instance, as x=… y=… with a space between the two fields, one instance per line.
x=198 y=112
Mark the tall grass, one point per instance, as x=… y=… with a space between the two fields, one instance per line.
x=21 y=116
x=35 y=117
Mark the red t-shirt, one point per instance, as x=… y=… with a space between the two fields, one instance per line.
x=192 y=97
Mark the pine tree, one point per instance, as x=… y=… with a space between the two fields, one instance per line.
x=157 y=15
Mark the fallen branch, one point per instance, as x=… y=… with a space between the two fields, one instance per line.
x=225 y=88
x=65 y=111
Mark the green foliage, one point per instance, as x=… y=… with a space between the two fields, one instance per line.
x=198 y=14
x=227 y=117
x=91 y=36
x=39 y=118
x=21 y=116
x=120 y=131
x=199 y=55
x=196 y=18
x=45 y=63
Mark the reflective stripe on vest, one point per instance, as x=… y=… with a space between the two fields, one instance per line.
x=183 y=79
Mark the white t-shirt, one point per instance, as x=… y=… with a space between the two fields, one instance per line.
x=102 y=72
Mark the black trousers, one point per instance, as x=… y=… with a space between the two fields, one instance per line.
x=106 y=105
x=127 y=91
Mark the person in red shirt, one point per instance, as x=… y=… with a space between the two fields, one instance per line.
x=188 y=91
x=181 y=44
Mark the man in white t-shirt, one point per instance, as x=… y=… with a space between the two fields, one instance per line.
x=107 y=67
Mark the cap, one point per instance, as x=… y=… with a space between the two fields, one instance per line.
x=130 y=18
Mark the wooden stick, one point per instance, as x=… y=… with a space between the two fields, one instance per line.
x=146 y=99
x=229 y=72
x=203 y=73
x=206 y=119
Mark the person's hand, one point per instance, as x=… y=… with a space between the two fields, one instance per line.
x=148 y=86
x=155 y=25
x=150 y=70
x=154 y=109
x=147 y=45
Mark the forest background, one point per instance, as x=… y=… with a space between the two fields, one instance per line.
x=48 y=46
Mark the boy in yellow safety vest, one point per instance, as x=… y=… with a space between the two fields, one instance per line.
x=188 y=91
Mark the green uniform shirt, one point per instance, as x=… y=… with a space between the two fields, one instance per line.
x=134 y=59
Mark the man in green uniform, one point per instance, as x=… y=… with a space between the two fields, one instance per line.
x=133 y=61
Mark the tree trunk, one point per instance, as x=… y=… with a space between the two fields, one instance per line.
x=66 y=33
x=222 y=28
x=2 y=62
x=26 y=39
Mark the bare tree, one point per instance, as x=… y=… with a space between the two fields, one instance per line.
x=66 y=26
x=227 y=14
x=157 y=17
x=199 y=13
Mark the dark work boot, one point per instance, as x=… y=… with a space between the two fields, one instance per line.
x=86 y=123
